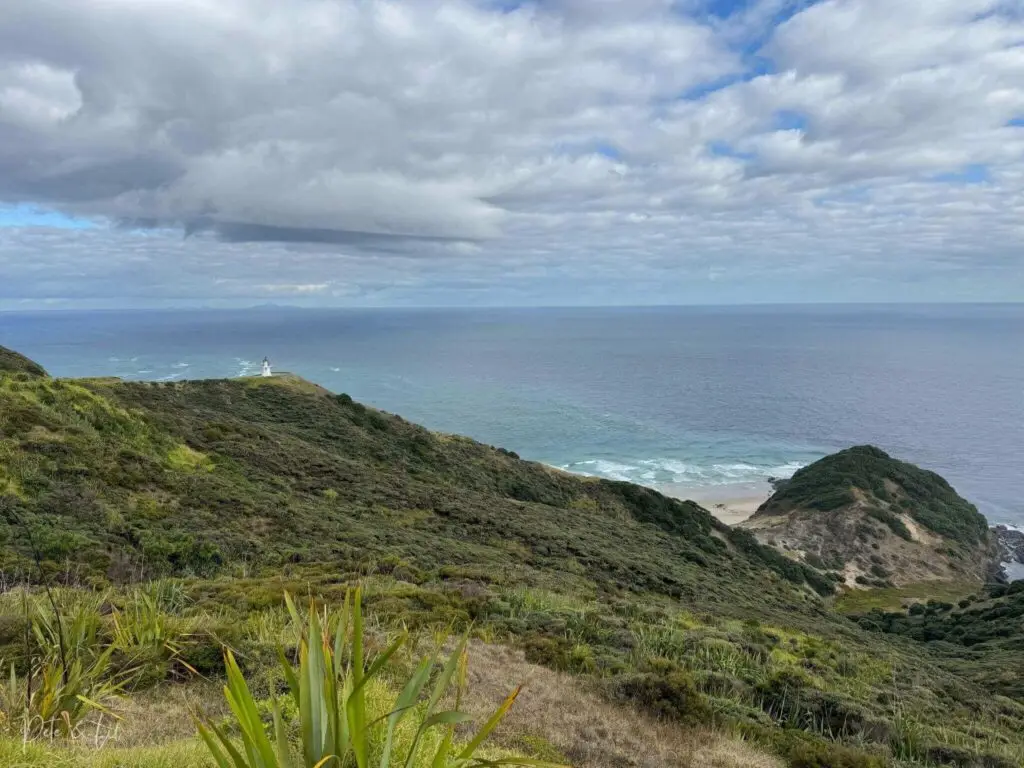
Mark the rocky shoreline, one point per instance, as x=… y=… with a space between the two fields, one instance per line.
x=1011 y=548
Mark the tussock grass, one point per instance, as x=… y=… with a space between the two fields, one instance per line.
x=571 y=721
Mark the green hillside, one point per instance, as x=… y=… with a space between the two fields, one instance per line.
x=190 y=508
x=13 y=362
x=129 y=481
x=984 y=633
x=886 y=484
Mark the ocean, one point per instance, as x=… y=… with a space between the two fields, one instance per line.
x=696 y=397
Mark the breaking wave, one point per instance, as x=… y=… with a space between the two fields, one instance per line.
x=246 y=367
x=660 y=471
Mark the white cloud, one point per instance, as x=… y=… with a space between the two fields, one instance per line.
x=557 y=151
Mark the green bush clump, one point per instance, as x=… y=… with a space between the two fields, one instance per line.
x=957 y=757
x=666 y=693
x=805 y=753
x=791 y=570
x=992 y=624
x=895 y=525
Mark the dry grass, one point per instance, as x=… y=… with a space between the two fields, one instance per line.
x=557 y=711
x=157 y=717
x=557 y=717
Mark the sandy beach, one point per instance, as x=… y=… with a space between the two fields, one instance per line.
x=732 y=504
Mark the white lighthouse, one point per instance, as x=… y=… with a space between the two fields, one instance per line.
x=266 y=368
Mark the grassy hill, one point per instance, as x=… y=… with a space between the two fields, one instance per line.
x=125 y=481
x=986 y=631
x=193 y=506
x=877 y=521
x=13 y=362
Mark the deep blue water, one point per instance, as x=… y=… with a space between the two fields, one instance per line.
x=697 y=396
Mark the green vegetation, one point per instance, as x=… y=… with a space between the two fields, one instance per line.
x=13 y=363
x=176 y=516
x=336 y=725
x=118 y=482
x=981 y=637
x=869 y=474
x=857 y=601
x=67 y=674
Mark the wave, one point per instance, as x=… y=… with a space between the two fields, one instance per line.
x=664 y=470
x=601 y=468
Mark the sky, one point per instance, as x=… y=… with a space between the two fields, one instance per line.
x=492 y=152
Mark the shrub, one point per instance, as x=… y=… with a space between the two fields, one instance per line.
x=552 y=652
x=961 y=758
x=896 y=525
x=821 y=754
x=669 y=694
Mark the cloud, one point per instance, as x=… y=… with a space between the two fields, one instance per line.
x=565 y=150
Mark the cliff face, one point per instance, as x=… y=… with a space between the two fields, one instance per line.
x=876 y=521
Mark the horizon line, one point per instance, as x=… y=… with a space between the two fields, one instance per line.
x=442 y=307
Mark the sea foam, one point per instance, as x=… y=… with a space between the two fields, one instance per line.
x=658 y=471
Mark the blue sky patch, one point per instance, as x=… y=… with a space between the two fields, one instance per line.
x=788 y=120
x=975 y=173
x=717 y=10
x=756 y=66
x=725 y=149
x=1017 y=122
x=508 y=6
x=607 y=150
x=723 y=9
x=698 y=92
x=32 y=216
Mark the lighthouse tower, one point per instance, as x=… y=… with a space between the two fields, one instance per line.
x=266 y=368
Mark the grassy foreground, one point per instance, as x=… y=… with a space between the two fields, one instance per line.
x=175 y=518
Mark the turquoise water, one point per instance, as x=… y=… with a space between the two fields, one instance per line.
x=696 y=397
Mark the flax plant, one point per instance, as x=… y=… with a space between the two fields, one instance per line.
x=336 y=727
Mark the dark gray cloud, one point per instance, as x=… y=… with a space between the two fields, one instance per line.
x=634 y=149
